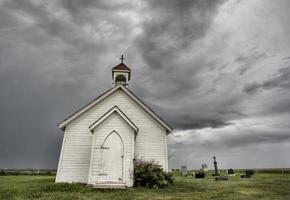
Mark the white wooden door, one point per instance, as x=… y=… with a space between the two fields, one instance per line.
x=112 y=159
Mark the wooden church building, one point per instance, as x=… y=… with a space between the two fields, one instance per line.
x=102 y=139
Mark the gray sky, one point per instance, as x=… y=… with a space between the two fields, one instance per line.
x=218 y=71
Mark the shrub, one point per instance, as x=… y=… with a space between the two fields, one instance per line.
x=150 y=174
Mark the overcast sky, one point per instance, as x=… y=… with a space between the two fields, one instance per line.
x=217 y=71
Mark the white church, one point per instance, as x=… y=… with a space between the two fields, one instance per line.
x=102 y=139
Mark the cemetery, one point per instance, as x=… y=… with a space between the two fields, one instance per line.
x=208 y=182
x=256 y=187
x=185 y=183
x=212 y=183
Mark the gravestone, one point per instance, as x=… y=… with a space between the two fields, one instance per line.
x=204 y=167
x=231 y=172
x=248 y=174
x=183 y=170
x=192 y=174
x=199 y=175
x=222 y=178
x=216 y=172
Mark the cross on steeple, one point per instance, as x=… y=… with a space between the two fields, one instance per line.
x=122 y=58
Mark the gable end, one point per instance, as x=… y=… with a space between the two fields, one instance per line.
x=117 y=110
x=64 y=123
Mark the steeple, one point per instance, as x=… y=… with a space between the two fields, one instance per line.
x=121 y=73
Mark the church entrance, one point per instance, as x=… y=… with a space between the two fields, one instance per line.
x=112 y=159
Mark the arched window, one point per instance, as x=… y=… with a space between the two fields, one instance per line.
x=120 y=78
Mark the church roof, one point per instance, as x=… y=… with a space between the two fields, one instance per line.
x=121 y=66
x=78 y=113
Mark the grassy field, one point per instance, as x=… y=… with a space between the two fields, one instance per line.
x=261 y=186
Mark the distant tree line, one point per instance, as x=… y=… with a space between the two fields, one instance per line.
x=16 y=172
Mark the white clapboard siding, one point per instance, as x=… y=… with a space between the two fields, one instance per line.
x=75 y=157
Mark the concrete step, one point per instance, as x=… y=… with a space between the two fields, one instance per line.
x=109 y=186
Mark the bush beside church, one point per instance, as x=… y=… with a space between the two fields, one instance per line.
x=151 y=174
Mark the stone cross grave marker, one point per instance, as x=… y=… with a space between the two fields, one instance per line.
x=216 y=172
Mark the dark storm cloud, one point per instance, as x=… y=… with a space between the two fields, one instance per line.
x=191 y=62
x=192 y=118
x=255 y=137
x=196 y=111
x=232 y=139
x=167 y=33
x=251 y=87
x=45 y=61
x=79 y=7
x=54 y=26
x=186 y=122
x=280 y=80
x=173 y=26
x=286 y=58
x=247 y=61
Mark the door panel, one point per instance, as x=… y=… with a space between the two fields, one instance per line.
x=112 y=159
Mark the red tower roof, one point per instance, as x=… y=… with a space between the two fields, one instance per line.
x=121 y=66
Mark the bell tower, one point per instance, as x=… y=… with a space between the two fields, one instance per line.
x=121 y=73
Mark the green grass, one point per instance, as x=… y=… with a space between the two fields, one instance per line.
x=261 y=186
